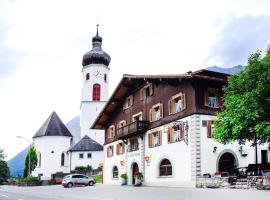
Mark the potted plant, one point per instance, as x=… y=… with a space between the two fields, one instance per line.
x=124 y=178
x=138 y=179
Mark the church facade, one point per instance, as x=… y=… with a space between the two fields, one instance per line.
x=62 y=150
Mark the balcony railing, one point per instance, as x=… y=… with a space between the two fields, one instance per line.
x=133 y=128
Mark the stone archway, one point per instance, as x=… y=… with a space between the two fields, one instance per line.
x=135 y=171
x=226 y=162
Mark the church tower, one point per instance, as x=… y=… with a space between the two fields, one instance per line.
x=95 y=88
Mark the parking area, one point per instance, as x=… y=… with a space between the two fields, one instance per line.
x=106 y=192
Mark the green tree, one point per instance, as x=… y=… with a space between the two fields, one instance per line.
x=4 y=170
x=32 y=154
x=246 y=104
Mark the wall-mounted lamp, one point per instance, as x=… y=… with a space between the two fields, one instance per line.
x=122 y=163
x=146 y=158
x=214 y=149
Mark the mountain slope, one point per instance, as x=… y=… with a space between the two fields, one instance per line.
x=232 y=70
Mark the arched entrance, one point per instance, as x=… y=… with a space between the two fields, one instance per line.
x=227 y=162
x=135 y=171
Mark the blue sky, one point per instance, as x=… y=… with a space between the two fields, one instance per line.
x=42 y=44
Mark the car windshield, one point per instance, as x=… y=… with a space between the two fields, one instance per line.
x=68 y=176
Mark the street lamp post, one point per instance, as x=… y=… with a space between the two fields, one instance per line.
x=29 y=159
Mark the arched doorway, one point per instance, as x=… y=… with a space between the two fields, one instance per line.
x=135 y=171
x=227 y=162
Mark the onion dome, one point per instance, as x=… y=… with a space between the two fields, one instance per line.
x=96 y=55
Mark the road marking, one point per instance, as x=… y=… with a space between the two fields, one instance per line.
x=2 y=195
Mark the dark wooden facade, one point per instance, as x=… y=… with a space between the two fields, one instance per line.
x=193 y=85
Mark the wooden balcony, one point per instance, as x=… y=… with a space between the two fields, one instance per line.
x=134 y=128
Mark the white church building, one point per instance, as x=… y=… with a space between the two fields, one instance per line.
x=60 y=149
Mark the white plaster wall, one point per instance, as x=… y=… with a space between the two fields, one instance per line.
x=89 y=112
x=91 y=109
x=209 y=159
x=51 y=162
x=179 y=155
x=110 y=162
x=95 y=161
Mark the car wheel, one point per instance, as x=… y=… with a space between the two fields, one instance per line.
x=69 y=185
x=91 y=183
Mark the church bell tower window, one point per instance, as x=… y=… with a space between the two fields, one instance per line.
x=87 y=76
x=96 y=92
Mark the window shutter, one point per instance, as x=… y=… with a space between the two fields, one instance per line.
x=117 y=149
x=113 y=133
x=108 y=152
x=149 y=140
x=181 y=133
x=183 y=98
x=159 y=137
x=112 y=150
x=151 y=89
x=161 y=110
x=169 y=135
x=118 y=126
x=170 y=106
x=209 y=128
x=142 y=94
x=206 y=97
x=151 y=115
x=219 y=99
x=131 y=100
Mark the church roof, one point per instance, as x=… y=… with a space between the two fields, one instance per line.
x=96 y=55
x=53 y=126
x=86 y=144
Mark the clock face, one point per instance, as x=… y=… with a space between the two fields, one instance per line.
x=97 y=74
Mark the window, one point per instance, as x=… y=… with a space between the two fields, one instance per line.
x=155 y=139
x=105 y=78
x=89 y=155
x=156 y=112
x=137 y=117
x=120 y=148
x=110 y=151
x=165 y=168
x=210 y=128
x=115 y=172
x=63 y=159
x=121 y=124
x=176 y=133
x=96 y=92
x=39 y=159
x=87 y=77
x=212 y=98
x=128 y=102
x=146 y=91
x=111 y=131
x=177 y=103
x=133 y=144
x=81 y=155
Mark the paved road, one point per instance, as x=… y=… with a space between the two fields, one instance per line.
x=103 y=192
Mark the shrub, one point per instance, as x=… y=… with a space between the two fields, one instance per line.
x=80 y=168
x=124 y=176
x=97 y=178
x=27 y=179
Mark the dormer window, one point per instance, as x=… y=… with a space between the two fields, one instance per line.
x=212 y=98
x=87 y=77
x=156 y=112
x=146 y=91
x=128 y=102
x=177 y=103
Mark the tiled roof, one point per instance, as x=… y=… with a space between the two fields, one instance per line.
x=53 y=126
x=86 y=144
